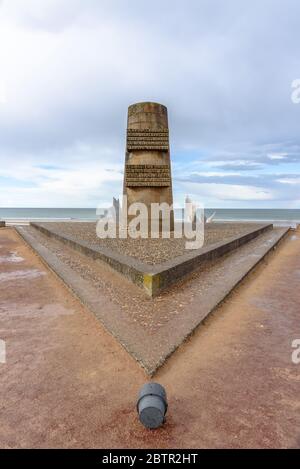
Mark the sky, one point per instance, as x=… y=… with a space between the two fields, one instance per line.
x=70 y=68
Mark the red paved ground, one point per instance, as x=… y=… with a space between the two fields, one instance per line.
x=68 y=383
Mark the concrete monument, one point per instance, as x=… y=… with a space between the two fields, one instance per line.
x=147 y=175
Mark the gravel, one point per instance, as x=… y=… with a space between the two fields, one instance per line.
x=150 y=251
x=151 y=313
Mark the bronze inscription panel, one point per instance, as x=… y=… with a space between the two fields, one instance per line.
x=149 y=175
x=147 y=140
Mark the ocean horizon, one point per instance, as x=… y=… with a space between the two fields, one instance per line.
x=89 y=214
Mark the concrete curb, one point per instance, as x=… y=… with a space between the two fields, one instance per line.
x=151 y=351
x=154 y=279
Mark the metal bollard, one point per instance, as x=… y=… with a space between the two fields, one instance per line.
x=152 y=405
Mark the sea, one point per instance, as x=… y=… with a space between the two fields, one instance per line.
x=278 y=216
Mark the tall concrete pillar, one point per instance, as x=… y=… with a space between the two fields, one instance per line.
x=147 y=176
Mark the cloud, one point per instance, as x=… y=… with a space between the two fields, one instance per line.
x=229 y=192
x=240 y=165
x=277 y=156
x=67 y=183
x=70 y=69
x=291 y=180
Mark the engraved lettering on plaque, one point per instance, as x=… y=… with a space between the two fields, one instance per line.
x=147 y=140
x=139 y=175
